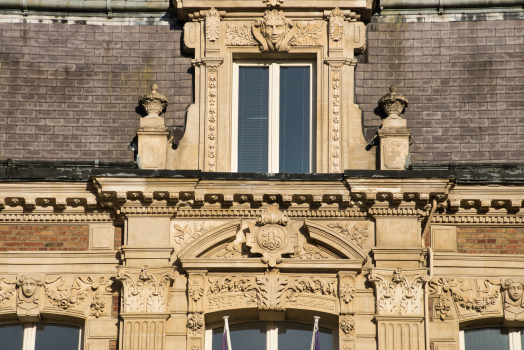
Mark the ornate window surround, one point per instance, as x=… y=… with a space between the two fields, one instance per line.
x=273 y=107
x=329 y=37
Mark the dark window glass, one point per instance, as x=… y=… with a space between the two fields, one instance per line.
x=298 y=336
x=12 y=337
x=486 y=339
x=253 y=104
x=56 y=337
x=294 y=120
x=250 y=336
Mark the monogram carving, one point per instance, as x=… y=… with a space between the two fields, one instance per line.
x=145 y=290
x=212 y=25
x=272 y=236
x=271 y=289
x=274 y=31
x=398 y=293
x=195 y=291
x=471 y=297
x=513 y=301
x=28 y=297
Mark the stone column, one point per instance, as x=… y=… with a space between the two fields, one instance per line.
x=144 y=306
x=153 y=136
x=394 y=135
x=195 y=316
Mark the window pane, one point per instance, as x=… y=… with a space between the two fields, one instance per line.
x=56 y=337
x=294 y=120
x=297 y=336
x=250 y=336
x=253 y=100
x=486 y=339
x=12 y=337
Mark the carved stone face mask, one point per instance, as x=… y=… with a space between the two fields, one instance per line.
x=515 y=291
x=274 y=30
x=29 y=287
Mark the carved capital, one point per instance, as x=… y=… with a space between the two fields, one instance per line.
x=145 y=290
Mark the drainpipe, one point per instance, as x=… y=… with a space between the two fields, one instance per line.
x=426 y=286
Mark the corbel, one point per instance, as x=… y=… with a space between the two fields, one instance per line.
x=257 y=199
x=147 y=197
x=454 y=205
x=15 y=201
x=74 y=202
x=30 y=203
x=242 y=198
x=384 y=196
x=134 y=195
x=346 y=200
x=2 y=203
x=410 y=196
x=228 y=199
x=106 y=195
x=91 y=203
x=317 y=200
x=160 y=195
x=173 y=197
x=199 y=199
x=212 y=198
x=331 y=199
x=371 y=198
x=60 y=203
x=423 y=198
x=484 y=205
x=469 y=203
x=499 y=203
x=397 y=197
x=515 y=205
x=272 y=198
x=106 y=204
x=121 y=197
x=287 y=199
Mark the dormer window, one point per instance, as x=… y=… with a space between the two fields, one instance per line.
x=273 y=117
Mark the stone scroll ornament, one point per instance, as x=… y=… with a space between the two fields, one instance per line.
x=513 y=300
x=28 y=298
x=145 y=290
x=272 y=235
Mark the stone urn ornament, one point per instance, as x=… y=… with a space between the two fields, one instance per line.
x=153 y=102
x=393 y=105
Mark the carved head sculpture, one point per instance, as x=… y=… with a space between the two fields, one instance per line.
x=274 y=31
x=514 y=288
x=28 y=285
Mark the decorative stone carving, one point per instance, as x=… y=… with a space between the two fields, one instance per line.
x=272 y=236
x=7 y=290
x=356 y=232
x=153 y=102
x=347 y=326
x=396 y=294
x=443 y=307
x=232 y=291
x=309 y=34
x=393 y=105
x=273 y=3
x=212 y=86
x=212 y=25
x=272 y=288
x=274 y=31
x=305 y=250
x=471 y=297
x=183 y=236
x=195 y=292
x=65 y=295
x=28 y=298
x=336 y=27
x=312 y=292
x=513 y=300
x=239 y=35
x=195 y=324
x=335 y=121
x=346 y=293
x=145 y=290
x=97 y=305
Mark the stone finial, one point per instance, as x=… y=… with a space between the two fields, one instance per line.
x=153 y=102
x=393 y=103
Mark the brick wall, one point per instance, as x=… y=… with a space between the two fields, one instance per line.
x=464 y=82
x=43 y=238
x=69 y=91
x=487 y=240
x=118 y=237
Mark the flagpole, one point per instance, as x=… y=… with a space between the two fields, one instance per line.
x=315 y=329
x=226 y=329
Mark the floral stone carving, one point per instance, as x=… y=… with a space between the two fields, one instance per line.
x=356 y=232
x=145 y=290
x=7 y=290
x=336 y=26
x=347 y=326
x=346 y=293
x=513 y=300
x=274 y=31
x=195 y=291
x=212 y=25
x=471 y=297
x=271 y=289
x=153 y=102
x=232 y=291
x=399 y=293
x=195 y=324
x=272 y=236
x=28 y=298
x=443 y=307
x=312 y=292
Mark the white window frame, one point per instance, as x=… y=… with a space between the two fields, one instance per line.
x=513 y=334
x=273 y=110
x=29 y=341
x=271 y=335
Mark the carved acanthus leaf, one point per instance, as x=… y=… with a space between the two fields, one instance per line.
x=212 y=25
x=309 y=34
x=239 y=35
x=336 y=25
x=187 y=234
x=271 y=289
x=195 y=291
x=346 y=292
x=357 y=232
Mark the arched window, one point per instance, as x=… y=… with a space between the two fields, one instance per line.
x=283 y=335
x=40 y=336
x=495 y=338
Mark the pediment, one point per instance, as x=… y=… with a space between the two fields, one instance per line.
x=273 y=240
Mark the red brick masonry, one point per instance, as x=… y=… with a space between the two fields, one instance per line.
x=43 y=238
x=490 y=240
